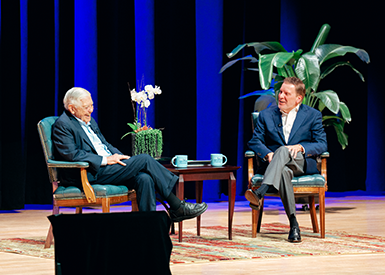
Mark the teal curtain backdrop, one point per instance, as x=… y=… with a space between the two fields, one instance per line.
x=47 y=47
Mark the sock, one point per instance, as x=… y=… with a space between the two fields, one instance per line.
x=261 y=191
x=173 y=201
x=293 y=220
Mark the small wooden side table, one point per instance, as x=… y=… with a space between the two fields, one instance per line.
x=199 y=174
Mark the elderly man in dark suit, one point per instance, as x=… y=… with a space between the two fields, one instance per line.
x=287 y=138
x=77 y=137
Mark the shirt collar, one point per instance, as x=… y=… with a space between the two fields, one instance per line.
x=295 y=109
x=82 y=122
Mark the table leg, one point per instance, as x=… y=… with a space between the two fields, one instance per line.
x=232 y=188
x=180 y=194
x=198 y=194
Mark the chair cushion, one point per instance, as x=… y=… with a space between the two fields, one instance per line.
x=72 y=192
x=315 y=180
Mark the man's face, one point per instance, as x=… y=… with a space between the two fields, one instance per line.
x=288 y=98
x=84 y=110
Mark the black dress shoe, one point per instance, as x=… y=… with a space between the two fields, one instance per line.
x=255 y=202
x=295 y=235
x=187 y=210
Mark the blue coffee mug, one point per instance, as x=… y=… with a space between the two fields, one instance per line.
x=179 y=161
x=217 y=159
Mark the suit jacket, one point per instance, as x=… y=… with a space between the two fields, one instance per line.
x=307 y=130
x=72 y=144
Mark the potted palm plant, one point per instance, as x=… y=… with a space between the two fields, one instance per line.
x=275 y=64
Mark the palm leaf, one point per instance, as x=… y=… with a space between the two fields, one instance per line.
x=338 y=126
x=331 y=68
x=327 y=51
x=308 y=70
x=321 y=37
x=345 y=113
x=266 y=64
x=232 y=62
x=330 y=99
x=261 y=46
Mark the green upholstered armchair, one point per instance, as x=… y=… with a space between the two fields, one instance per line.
x=91 y=195
x=310 y=186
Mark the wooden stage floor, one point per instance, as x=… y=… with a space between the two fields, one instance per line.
x=347 y=212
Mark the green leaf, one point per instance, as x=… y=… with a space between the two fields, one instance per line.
x=326 y=118
x=321 y=106
x=331 y=68
x=339 y=128
x=282 y=72
x=232 y=62
x=321 y=37
x=345 y=113
x=126 y=134
x=236 y=50
x=330 y=99
x=261 y=46
x=308 y=70
x=327 y=51
x=266 y=64
x=133 y=126
x=258 y=47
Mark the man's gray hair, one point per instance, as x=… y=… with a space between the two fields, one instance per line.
x=74 y=95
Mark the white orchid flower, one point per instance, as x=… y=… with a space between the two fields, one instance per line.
x=157 y=90
x=148 y=87
x=145 y=104
x=150 y=94
x=142 y=96
x=133 y=95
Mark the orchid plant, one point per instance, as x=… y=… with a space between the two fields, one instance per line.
x=140 y=102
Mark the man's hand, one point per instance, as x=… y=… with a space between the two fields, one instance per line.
x=116 y=158
x=269 y=156
x=294 y=149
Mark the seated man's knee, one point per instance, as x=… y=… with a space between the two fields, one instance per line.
x=144 y=180
x=145 y=157
x=282 y=149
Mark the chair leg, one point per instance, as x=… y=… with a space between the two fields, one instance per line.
x=49 y=239
x=105 y=205
x=79 y=210
x=260 y=216
x=322 y=212
x=254 y=222
x=134 y=205
x=256 y=216
x=313 y=214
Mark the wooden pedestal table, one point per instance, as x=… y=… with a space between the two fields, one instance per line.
x=199 y=174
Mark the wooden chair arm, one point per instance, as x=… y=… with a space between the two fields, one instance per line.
x=87 y=188
x=66 y=164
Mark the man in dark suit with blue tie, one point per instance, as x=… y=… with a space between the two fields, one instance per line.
x=77 y=137
x=287 y=138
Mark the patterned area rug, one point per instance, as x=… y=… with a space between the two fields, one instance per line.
x=213 y=244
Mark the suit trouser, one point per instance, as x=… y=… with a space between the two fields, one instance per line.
x=279 y=174
x=142 y=173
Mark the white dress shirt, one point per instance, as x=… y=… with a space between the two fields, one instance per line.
x=99 y=146
x=288 y=121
